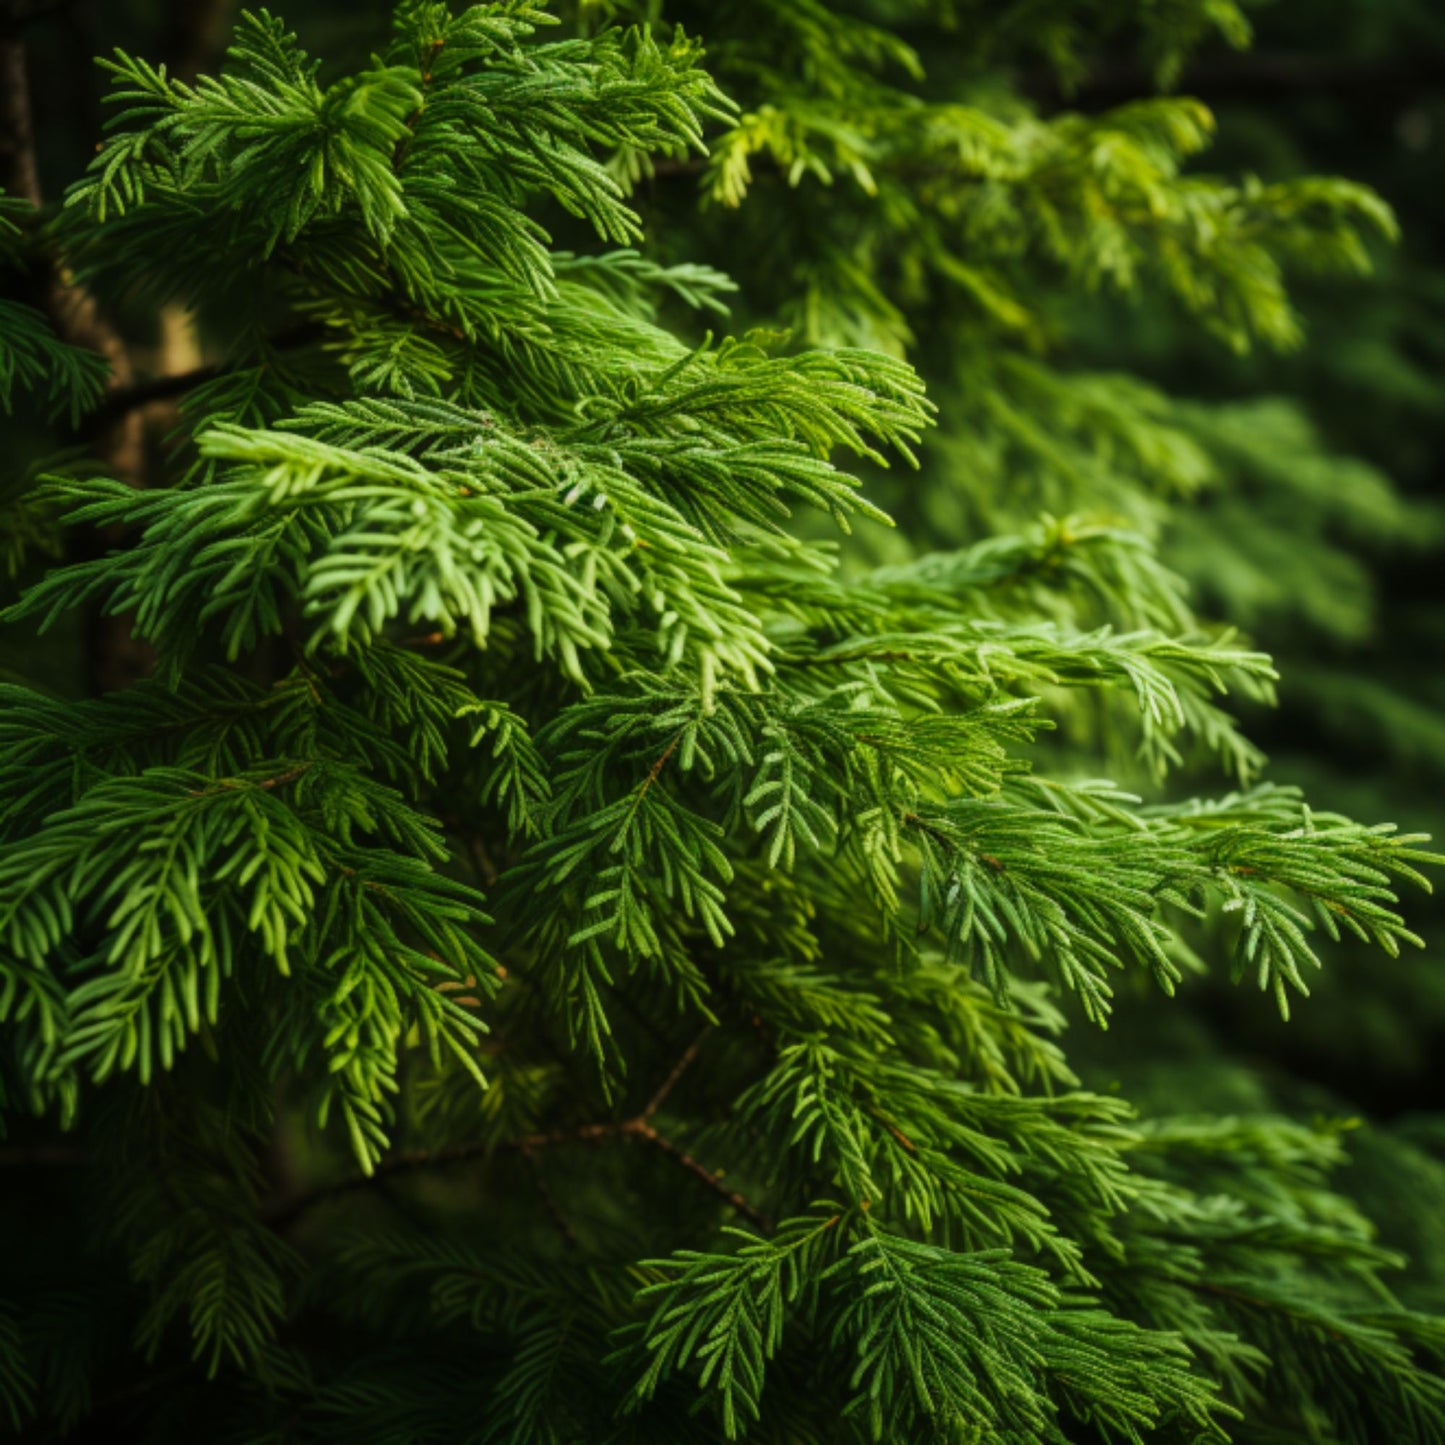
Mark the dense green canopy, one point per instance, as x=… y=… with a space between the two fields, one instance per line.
x=527 y=911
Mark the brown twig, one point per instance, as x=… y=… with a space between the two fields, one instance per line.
x=701 y=1173
x=265 y=785
x=670 y=1082
x=409 y=1161
x=640 y=1126
x=549 y=1200
x=653 y=774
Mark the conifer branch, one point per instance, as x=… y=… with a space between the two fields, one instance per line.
x=509 y=586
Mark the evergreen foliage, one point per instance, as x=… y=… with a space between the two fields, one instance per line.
x=559 y=949
x=1332 y=563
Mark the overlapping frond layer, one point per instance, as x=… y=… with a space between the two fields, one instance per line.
x=531 y=846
